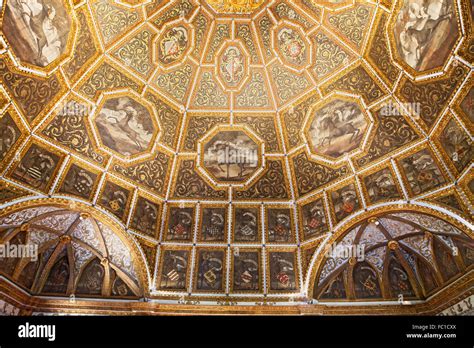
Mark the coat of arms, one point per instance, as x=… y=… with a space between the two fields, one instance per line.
x=292 y=46
x=173 y=44
x=232 y=66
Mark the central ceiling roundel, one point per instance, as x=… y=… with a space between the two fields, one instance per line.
x=233 y=138
x=236 y=6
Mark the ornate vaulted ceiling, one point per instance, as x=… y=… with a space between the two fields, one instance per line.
x=212 y=152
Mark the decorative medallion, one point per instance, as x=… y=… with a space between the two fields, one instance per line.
x=232 y=66
x=234 y=142
x=246 y=271
x=173 y=44
x=292 y=46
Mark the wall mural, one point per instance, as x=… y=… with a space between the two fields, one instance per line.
x=220 y=149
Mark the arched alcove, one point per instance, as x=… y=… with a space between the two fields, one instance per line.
x=393 y=253
x=54 y=250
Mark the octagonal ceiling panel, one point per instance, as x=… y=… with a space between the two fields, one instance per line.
x=231 y=155
x=50 y=34
x=124 y=125
x=424 y=35
x=233 y=140
x=337 y=128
